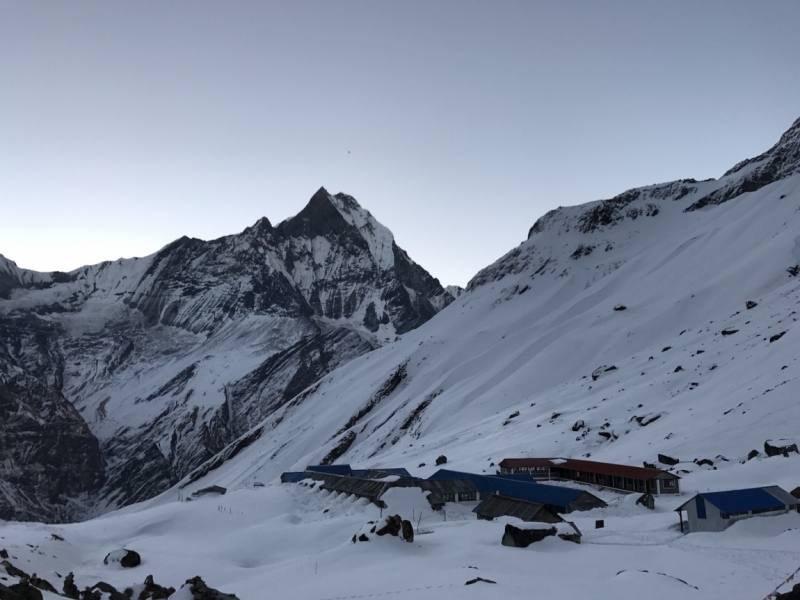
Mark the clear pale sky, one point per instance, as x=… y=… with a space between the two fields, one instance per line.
x=125 y=125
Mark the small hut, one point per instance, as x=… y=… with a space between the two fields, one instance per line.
x=716 y=511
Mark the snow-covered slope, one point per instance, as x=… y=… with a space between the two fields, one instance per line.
x=619 y=330
x=171 y=357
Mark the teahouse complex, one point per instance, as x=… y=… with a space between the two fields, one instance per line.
x=518 y=490
x=617 y=477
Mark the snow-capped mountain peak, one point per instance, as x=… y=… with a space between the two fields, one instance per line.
x=172 y=356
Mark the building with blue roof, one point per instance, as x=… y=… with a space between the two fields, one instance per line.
x=716 y=511
x=558 y=498
x=331 y=469
x=293 y=476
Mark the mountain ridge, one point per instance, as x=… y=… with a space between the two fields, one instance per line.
x=147 y=348
x=610 y=315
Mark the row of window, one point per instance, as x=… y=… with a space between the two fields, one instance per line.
x=464 y=496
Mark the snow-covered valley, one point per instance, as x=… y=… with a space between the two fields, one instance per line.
x=292 y=541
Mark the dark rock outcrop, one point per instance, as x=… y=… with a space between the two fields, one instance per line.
x=771 y=450
x=201 y=591
x=126 y=558
x=779 y=162
x=69 y=587
x=479 y=580
x=392 y=526
x=407 y=531
x=441 y=460
x=154 y=591
x=48 y=455
x=24 y=590
x=42 y=584
x=667 y=460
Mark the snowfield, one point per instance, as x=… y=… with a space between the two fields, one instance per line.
x=294 y=541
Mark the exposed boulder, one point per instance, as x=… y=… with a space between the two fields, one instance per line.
x=14 y=571
x=750 y=304
x=620 y=307
x=771 y=450
x=24 y=590
x=42 y=584
x=69 y=587
x=578 y=425
x=126 y=558
x=776 y=337
x=200 y=591
x=647 y=501
x=602 y=369
x=667 y=460
x=441 y=460
x=7 y=593
x=752 y=454
x=407 y=531
x=153 y=591
x=477 y=579
x=391 y=525
x=108 y=589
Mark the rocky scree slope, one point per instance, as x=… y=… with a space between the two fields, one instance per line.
x=619 y=330
x=171 y=357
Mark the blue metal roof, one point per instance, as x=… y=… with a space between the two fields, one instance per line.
x=394 y=471
x=293 y=476
x=332 y=469
x=552 y=495
x=741 y=501
x=527 y=477
x=448 y=474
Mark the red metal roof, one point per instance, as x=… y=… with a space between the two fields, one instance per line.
x=587 y=466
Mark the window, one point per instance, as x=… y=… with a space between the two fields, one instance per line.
x=449 y=497
x=668 y=483
x=466 y=496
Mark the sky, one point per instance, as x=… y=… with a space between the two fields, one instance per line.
x=457 y=124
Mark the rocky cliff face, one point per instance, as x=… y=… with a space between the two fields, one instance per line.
x=170 y=357
x=50 y=462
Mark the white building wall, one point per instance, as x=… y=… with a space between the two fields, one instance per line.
x=712 y=522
